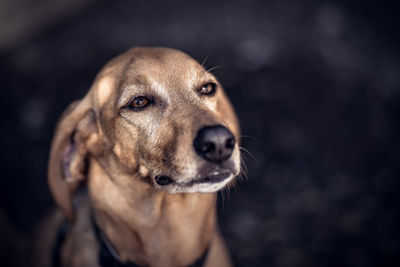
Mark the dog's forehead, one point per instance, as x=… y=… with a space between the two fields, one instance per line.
x=160 y=57
x=161 y=66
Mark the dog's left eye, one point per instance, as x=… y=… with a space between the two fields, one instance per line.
x=208 y=89
x=139 y=102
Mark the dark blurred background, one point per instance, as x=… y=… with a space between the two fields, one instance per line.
x=316 y=85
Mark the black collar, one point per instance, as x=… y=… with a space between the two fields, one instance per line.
x=108 y=256
x=61 y=235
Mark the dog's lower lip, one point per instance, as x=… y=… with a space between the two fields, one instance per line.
x=213 y=178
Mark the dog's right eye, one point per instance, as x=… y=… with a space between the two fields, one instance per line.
x=208 y=89
x=139 y=103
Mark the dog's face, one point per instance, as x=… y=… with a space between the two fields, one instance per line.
x=162 y=118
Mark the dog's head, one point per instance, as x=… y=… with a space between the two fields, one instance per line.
x=155 y=115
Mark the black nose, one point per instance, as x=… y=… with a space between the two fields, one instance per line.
x=214 y=143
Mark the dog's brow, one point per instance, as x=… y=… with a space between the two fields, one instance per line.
x=159 y=87
x=136 y=84
x=127 y=93
x=196 y=76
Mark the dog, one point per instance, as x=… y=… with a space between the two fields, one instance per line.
x=152 y=142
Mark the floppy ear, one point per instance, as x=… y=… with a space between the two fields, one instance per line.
x=75 y=133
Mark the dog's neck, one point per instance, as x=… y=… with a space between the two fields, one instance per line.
x=148 y=226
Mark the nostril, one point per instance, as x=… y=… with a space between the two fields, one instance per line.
x=230 y=143
x=163 y=180
x=208 y=147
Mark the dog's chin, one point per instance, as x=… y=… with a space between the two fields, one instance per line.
x=208 y=184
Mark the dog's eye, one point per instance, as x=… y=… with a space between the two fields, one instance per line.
x=208 y=89
x=139 y=102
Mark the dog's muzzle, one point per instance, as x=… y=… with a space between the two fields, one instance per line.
x=214 y=144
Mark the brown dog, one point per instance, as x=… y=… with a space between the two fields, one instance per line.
x=153 y=140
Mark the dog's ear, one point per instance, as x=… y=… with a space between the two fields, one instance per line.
x=75 y=133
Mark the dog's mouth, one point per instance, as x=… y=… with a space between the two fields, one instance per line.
x=211 y=178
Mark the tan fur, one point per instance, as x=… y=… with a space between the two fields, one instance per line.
x=117 y=152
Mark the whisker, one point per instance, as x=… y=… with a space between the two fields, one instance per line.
x=248 y=152
x=243 y=172
x=205 y=59
x=214 y=68
x=226 y=190
x=229 y=188
x=243 y=164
